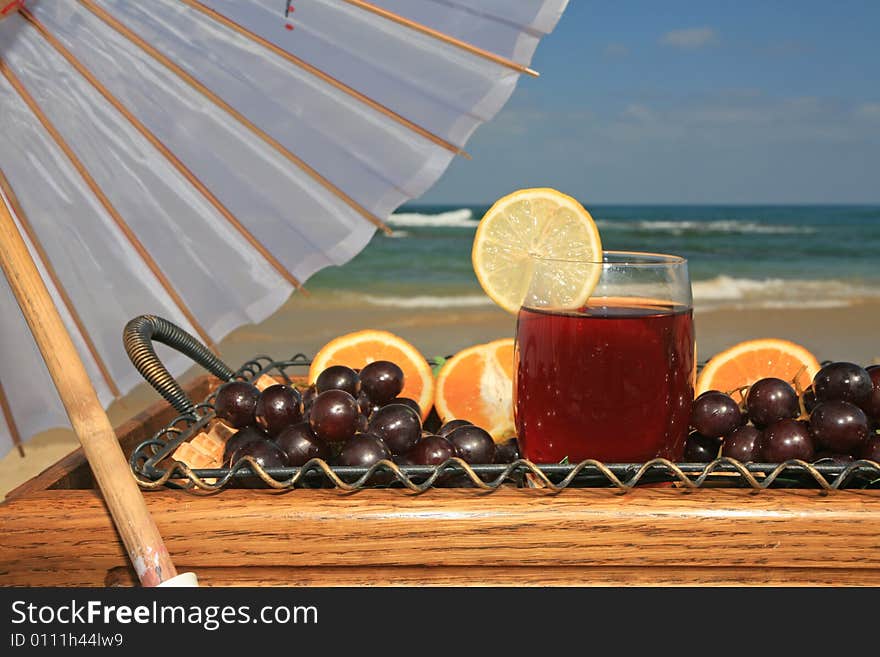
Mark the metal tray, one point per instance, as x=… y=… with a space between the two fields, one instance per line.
x=153 y=466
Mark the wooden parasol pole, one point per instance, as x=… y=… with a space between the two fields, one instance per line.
x=142 y=540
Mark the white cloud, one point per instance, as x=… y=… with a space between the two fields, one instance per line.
x=616 y=50
x=638 y=112
x=868 y=111
x=731 y=145
x=690 y=38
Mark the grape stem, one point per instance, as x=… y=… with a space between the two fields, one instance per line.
x=803 y=414
x=743 y=391
x=800 y=393
x=796 y=383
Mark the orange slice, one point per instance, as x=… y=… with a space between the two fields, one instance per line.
x=363 y=347
x=747 y=362
x=477 y=385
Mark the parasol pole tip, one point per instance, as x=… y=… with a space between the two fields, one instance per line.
x=183 y=580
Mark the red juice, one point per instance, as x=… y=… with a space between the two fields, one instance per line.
x=613 y=381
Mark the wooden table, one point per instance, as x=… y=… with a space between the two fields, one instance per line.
x=57 y=531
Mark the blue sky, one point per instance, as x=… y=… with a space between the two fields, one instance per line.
x=691 y=102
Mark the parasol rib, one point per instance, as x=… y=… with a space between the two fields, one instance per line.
x=162 y=148
x=238 y=116
x=325 y=77
x=102 y=198
x=56 y=281
x=445 y=38
x=136 y=528
x=10 y=421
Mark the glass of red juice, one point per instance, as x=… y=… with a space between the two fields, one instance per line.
x=612 y=379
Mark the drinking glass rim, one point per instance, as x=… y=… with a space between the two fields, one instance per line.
x=627 y=258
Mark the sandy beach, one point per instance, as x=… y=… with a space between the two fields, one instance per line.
x=304 y=324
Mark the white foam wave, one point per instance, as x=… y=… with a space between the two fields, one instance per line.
x=462 y=218
x=719 y=293
x=725 y=226
x=427 y=301
x=730 y=292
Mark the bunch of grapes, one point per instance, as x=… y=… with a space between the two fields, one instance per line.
x=836 y=419
x=347 y=418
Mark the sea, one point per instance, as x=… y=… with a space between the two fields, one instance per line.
x=738 y=256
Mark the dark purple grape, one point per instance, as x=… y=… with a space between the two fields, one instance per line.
x=770 y=400
x=715 y=414
x=843 y=382
x=308 y=397
x=382 y=380
x=363 y=450
x=432 y=450
x=787 y=439
x=871 y=449
x=406 y=401
x=264 y=452
x=300 y=444
x=839 y=426
x=367 y=407
x=472 y=444
x=451 y=426
x=398 y=425
x=701 y=449
x=830 y=458
x=743 y=444
x=871 y=405
x=334 y=416
x=338 y=377
x=236 y=402
x=507 y=452
x=278 y=407
x=708 y=392
x=809 y=399
x=403 y=459
x=240 y=438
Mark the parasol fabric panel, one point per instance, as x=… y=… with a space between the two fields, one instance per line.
x=449 y=91
x=103 y=276
x=201 y=159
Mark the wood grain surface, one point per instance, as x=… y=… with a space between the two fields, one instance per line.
x=650 y=536
x=511 y=576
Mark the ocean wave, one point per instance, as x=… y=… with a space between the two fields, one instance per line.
x=705 y=227
x=463 y=218
x=730 y=292
x=722 y=292
x=428 y=301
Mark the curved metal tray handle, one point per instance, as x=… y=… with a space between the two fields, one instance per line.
x=138 y=337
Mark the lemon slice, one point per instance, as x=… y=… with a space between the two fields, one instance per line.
x=539 y=247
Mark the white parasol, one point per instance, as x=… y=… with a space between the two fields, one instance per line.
x=199 y=160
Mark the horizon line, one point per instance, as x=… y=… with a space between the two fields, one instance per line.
x=826 y=204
